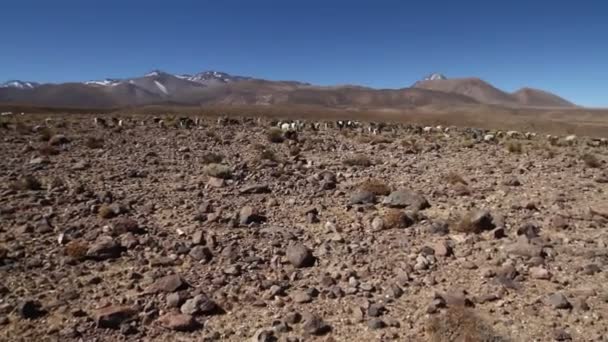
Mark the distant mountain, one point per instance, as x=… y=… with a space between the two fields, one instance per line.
x=215 y=87
x=484 y=92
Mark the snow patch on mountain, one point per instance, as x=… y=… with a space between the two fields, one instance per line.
x=161 y=87
x=19 y=84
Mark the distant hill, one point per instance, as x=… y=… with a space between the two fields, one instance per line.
x=220 y=88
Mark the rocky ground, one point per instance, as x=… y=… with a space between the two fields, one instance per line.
x=216 y=233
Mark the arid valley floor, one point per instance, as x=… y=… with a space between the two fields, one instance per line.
x=232 y=231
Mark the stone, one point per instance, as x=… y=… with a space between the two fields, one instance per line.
x=113 y=316
x=215 y=182
x=248 y=215
x=128 y=240
x=167 y=284
x=200 y=304
x=178 y=322
x=255 y=189
x=442 y=249
x=104 y=248
x=540 y=273
x=301 y=297
x=300 y=256
x=375 y=324
x=362 y=197
x=406 y=198
x=200 y=253
x=314 y=325
x=559 y=301
x=376 y=310
x=263 y=335
x=31 y=309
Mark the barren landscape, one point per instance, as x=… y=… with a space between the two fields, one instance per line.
x=234 y=229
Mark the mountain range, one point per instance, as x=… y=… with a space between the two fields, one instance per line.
x=220 y=88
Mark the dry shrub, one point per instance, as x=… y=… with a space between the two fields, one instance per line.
x=468 y=143
x=22 y=128
x=395 y=218
x=212 y=158
x=454 y=178
x=465 y=224
x=76 y=249
x=47 y=150
x=514 y=147
x=94 y=143
x=218 y=171
x=591 y=160
x=375 y=186
x=461 y=324
x=106 y=212
x=26 y=183
x=45 y=134
x=380 y=140
x=275 y=135
x=268 y=155
x=358 y=160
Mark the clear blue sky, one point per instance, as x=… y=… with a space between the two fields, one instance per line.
x=560 y=46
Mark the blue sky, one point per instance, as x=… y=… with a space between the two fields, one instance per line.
x=560 y=46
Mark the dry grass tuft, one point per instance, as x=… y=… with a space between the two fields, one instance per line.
x=275 y=135
x=591 y=160
x=47 y=150
x=358 y=160
x=395 y=218
x=105 y=212
x=268 y=155
x=454 y=178
x=218 y=171
x=465 y=224
x=515 y=147
x=26 y=183
x=94 y=143
x=211 y=158
x=375 y=186
x=461 y=324
x=76 y=249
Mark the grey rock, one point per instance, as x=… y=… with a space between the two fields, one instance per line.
x=406 y=198
x=300 y=256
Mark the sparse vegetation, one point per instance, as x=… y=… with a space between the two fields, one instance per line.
x=514 y=147
x=76 y=249
x=94 y=143
x=358 y=160
x=591 y=160
x=468 y=143
x=106 y=212
x=47 y=150
x=211 y=158
x=375 y=186
x=275 y=135
x=454 y=178
x=27 y=182
x=395 y=218
x=268 y=155
x=460 y=323
x=218 y=171
x=465 y=224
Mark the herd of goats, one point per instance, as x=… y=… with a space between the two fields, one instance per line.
x=290 y=126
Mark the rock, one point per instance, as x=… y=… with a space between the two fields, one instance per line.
x=559 y=301
x=128 y=241
x=406 y=198
x=174 y=299
x=377 y=223
x=200 y=304
x=362 y=197
x=314 y=325
x=442 y=249
x=561 y=335
x=300 y=256
x=264 y=335
x=216 y=182
x=113 y=316
x=248 y=215
x=539 y=273
x=167 y=284
x=522 y=248
x=376 y=323
x=125 y=225
x=376 y=310
x=198 y=237
x=58 y=139
x=104 y=248
x=218 y=171
x=481 y=220
x=31 y=309
x=200 y=253
x=301 y=297
x=178 y=322
x=255 y=189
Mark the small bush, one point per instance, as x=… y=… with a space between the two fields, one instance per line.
x=212 y=158
x=76 y=249
x=45 y=134
x=26 y=183
x=275 y=135
x=591 y=160
x=218 y=171
x=375 y=186
x=47 y=150
x=105 y=212
x=514 y=147
x=358 y=160
x=94 y=143
x=268 y=155
x=454 y=178
x=395 y=218
x=468 y=143
x=460 y=323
